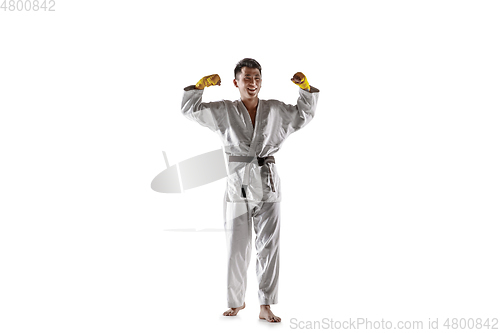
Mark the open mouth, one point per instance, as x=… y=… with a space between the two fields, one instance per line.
x=252 y=90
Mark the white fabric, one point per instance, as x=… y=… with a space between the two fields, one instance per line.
x=266 y=224
x=274 y=122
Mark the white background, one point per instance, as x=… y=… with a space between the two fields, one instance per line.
x=391 y=194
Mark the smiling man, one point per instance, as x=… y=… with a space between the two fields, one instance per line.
x=252 y=131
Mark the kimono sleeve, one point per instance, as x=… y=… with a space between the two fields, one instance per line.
x=297 y=116
x=206 y=114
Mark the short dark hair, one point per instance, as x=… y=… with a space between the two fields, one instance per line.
x=247 y=62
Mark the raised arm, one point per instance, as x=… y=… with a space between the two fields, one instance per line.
x=297 y=116
x=206 y=114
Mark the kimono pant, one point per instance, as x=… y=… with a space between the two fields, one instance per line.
x=238 y=226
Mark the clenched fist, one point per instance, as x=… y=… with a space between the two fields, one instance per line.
x=207 y=81
x=301 y=80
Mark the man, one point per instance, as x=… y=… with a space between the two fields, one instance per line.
x=252 y=131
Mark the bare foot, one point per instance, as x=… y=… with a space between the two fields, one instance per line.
x=233 y=311
x=267 y=314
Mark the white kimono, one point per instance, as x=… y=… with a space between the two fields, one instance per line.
x=259 y=202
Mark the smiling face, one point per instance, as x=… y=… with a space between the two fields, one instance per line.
x=248 y=82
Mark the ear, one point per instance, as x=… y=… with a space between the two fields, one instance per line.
x=235 y=83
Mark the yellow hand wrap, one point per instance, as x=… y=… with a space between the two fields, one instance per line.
x=303 y=84
x=207 y=81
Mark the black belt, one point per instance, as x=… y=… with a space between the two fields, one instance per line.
x=249 y=159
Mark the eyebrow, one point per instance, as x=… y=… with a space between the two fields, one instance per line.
x=251 y=75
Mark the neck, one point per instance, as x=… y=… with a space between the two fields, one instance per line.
x=250 y=103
